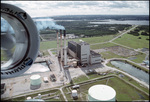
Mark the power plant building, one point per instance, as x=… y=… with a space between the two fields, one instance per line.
x=94 y=57
x=72 y=48
x=82 y=52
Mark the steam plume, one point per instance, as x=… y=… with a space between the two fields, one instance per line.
x=47 y=23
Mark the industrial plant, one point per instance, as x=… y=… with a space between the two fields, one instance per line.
x=80 y=51
x=72 y=60
x=66 y=68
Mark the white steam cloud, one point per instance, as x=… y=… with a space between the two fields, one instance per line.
x=41 y=24
x=47 y=23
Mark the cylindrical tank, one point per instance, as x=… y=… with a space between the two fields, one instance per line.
x=74 y=94
x=101 y=93
x=35 y=80
x=34 y=100
x=74 y=63
x=28 y=98
x=39 y=96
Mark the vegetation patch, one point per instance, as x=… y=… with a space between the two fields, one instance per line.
x=47 y=45
x=48 y=95
x=130 y=40
x=85 y=28
x=108 y=55
x=100 y=46
x=124 y=91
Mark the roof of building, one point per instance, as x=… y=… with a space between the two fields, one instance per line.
x=83 y=43
x=94 y=53
x=73 y=42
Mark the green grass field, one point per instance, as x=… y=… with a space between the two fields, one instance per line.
x=100 y=46
x=139 y=57
x=47 y=45
x=100 y=39
x=108 y=55
x=55 y=91
x=124 y=91
x=133 y=41
x=91 y=40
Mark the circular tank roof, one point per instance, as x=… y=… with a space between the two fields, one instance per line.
x=35 y=77
x=74 y=91
x=102 y=92
x=34 y=100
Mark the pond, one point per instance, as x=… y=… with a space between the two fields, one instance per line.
x=139 y=74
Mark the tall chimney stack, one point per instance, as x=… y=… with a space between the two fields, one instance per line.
x=61 y=49
x=57 y=43
x=65 y=49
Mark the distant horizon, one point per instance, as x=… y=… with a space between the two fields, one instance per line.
x=62 y=8
x=91 y=15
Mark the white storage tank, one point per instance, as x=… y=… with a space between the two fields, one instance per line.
x=34 y=100
x=35 y=80
x=74 y=94
x=28 y=98
x=74 y=63
x=101 y=93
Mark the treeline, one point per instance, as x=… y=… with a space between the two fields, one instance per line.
x=84 y=28
x=140 y=30
x=143 y=30
x=101 y=17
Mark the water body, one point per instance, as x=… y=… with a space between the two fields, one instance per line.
x=107 y=21
x=139 y=74
x=131 y=22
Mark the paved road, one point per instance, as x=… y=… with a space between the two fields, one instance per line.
x=117 y=36
x=123 y=33
x=63 y=93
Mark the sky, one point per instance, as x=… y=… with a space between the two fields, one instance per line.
x=55 y=8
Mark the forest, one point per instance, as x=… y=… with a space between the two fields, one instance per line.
x=86 y=29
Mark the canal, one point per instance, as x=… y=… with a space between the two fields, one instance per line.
x=130 y=69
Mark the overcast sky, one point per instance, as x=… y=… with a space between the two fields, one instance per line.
x=52 y=8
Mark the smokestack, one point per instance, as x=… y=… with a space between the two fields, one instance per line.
x=61 y=49
x=65 y=49
x=57 y=43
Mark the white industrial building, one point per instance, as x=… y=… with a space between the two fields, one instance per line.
x=82 y=52
x=94 y=57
